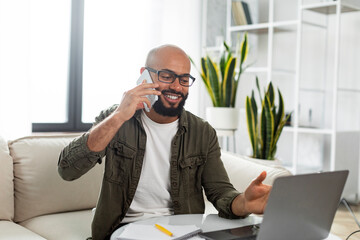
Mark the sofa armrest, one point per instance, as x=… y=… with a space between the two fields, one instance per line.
x=242 y=171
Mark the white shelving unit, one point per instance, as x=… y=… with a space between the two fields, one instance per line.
x=330 y=138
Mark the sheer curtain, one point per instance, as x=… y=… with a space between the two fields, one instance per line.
x=14 y=71
x=34 y=41
x=117 y=38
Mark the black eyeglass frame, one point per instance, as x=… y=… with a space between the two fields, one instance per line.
x=176 y=76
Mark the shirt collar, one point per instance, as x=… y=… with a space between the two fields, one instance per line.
x=183 y=123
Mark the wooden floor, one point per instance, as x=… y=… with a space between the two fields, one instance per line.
x=344 y=223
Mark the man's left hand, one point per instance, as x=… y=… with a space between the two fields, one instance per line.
x=254 y=199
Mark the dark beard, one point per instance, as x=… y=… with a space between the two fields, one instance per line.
x=170 y=112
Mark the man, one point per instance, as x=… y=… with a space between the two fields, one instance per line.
x=157 y=162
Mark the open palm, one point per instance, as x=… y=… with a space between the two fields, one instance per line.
x=256 y=195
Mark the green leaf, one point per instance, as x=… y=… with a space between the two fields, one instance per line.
x=203 y=67
x=269 y=127
x=251 y=125
x=226 y=47
x=273 y=152
x=213 y=79
x=203 y=74
x=234 y=92
x=262 y=131
x=280 y=128
x=271 y=94
x=227 y=84
x=222 y=65
x=258 y=87
x=254 y=106
x=244 y=49
x=280 y=113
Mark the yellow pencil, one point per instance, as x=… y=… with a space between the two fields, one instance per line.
x=164 y=230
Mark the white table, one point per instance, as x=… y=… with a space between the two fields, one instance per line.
x=207 y=222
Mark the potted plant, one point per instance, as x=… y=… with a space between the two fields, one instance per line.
x=221 y=81
x=265 y=129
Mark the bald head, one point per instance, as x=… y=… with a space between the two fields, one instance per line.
x=157 y=57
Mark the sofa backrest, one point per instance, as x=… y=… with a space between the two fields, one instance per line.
x=6 y=183
x=39 y=189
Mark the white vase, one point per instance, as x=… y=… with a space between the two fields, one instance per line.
x=223 y=118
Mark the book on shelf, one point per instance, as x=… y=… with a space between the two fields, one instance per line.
x=241 y=13
x=247 y=12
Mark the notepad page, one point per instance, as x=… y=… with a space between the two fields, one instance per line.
x=150 y=232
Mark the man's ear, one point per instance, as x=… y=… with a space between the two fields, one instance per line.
x=142 y=69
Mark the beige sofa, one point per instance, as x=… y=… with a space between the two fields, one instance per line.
x=35 y=203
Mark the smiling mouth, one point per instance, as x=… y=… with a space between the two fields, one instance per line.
x=172 y=97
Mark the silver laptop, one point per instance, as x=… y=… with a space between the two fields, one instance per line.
x=300 y=207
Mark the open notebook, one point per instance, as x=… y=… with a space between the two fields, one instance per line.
x=149 y=232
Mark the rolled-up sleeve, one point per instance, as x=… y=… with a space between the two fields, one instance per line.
x=76 y=159
x=218 y=189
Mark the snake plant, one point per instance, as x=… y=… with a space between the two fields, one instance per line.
x=264 y=132
x=220 y=78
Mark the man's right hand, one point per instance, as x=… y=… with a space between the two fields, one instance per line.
x=133 y=100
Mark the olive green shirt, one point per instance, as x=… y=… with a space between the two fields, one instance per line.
x=195 y=165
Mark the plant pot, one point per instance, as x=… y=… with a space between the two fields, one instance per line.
x=271 y=163
x=223 y=118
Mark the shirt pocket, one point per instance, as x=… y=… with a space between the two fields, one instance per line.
x=119 y=163
x=191 y=172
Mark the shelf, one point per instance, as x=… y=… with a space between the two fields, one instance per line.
x=225 y=133
x=260 y=28
x=314 y=130
x=256 y=70
x=252 y=28
x=330 y=7
x=312 y=90
x=314 y=25
x=349 y=90
x=285 y=26
x=283 y=71
x=214 y=49
x=266 y=69
x=311 y=130
x=308 y=130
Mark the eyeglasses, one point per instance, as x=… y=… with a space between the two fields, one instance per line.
x=169 y=77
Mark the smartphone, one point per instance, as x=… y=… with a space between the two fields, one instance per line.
x=152 y=98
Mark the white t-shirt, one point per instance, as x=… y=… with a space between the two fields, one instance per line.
x=152 y=196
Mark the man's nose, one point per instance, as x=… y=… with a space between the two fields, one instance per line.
x=176 y=84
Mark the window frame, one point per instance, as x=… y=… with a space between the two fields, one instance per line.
x=75 y=74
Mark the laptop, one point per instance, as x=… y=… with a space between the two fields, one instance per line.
x=300 y=207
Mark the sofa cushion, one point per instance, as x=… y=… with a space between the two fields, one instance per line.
x=13 y=231
x=6 y=183
x=70 y=226
x=39 y=189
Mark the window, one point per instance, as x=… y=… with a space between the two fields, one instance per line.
x=56 y=65
x=114 y=49
x=94 y=51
